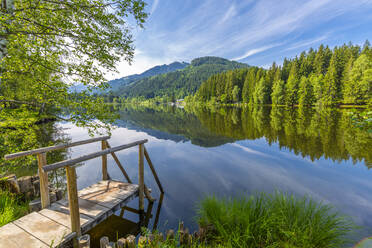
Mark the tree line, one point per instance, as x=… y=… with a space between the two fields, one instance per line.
x=322 y=77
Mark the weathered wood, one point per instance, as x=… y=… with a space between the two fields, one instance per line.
x=84 y=241
x=74 y=161
x=56 y=222
x=119 y=164
x=141 y=177
x=13 y=236
x=131 y=241
x=104 y=161
x=61 y=215
x=103 y=242
x=153 y=170
x=43 y=228
x=73 y=203
x=44 y=188
x=122 y=243
x=52 y=148
x=148 y=194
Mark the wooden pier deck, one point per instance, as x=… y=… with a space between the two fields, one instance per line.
x=65 y=220
x=51 y=226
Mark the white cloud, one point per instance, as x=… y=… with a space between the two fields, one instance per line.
x=255 y=50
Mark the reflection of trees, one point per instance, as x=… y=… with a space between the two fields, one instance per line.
x=327 y=133
x=170 y=120
x=308 y=132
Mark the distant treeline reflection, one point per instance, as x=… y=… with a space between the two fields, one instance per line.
x=328 y=133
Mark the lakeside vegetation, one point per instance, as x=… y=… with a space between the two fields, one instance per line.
x=11 y=207
x=259 y=220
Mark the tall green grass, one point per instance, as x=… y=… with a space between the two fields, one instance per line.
x=272 y=220
x=11 y=208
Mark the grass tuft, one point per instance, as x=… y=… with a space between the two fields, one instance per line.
x=272 y=220
x=11 y=208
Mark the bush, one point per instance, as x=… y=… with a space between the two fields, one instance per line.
x=272 y=220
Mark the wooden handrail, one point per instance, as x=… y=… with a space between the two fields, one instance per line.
x=52 y=148
x=74 y=161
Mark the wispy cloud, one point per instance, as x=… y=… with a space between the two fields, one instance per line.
x=256 y=50
x=154 y=6
x=231 y=12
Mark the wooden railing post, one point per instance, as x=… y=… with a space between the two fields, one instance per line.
x=153 y=170
x=73 y=203
x=141 y=177
x=104 y=162
x=43 y=176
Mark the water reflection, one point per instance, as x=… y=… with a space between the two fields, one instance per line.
x=327 y=133
x=240 y=151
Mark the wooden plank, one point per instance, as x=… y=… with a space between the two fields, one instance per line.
x=43 y=228
x=153 y=170
x=141 y=178
x=13 y=236
x=119 y=164
x=52 y=148
x=88 y=208
x=44 y=188
x=61 y=215
x=73 y=203
x=111 y=188
x=104 y=161
x=74 y=161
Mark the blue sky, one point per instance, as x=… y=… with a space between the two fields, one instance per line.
x=256 y=32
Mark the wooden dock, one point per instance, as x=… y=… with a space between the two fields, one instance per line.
x=66 y=220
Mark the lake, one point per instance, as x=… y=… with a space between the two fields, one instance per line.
x=236 y=152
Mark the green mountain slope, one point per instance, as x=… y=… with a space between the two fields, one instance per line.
x=182 y=82
x=157 y=70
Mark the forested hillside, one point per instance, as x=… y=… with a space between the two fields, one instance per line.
x=182 y=82
x=116 y=84
x=325 y=77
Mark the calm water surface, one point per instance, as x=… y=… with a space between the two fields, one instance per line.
x=240 y=151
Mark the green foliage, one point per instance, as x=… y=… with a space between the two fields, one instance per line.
x=277 y=96
x=272 y=220
x=306 y=92
x=322 y=77
x=52 y=43
x=11 y=208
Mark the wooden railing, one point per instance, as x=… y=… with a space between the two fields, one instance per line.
x=69 y=165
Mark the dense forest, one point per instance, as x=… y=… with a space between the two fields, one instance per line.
x=179 y=83
x=322 y=77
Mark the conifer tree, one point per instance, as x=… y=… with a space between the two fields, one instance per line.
x=278 y=94
x=292 y=85
x=306 y=95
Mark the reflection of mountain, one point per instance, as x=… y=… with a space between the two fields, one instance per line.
x=170 y=123
x=328 y=134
